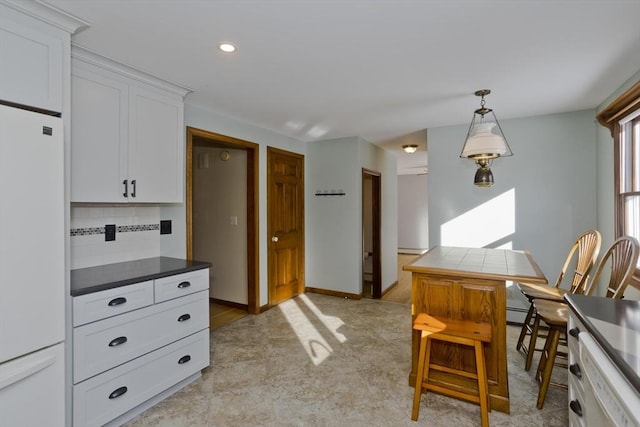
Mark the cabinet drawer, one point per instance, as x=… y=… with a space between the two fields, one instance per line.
x=100 y=305
x=100 y=346
x=107 y=396
x=170 y=287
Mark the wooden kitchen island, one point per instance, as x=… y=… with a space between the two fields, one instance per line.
x=468 y=284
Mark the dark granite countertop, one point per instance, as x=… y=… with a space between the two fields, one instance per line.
x=615 y=325
x=108 y=276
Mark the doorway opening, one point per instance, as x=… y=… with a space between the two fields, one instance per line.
x=222 y=219
x=371 y=224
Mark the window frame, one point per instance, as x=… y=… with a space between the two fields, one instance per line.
x=610 y=117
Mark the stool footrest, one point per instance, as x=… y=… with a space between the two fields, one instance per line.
x=453 y=371
x=474 y=398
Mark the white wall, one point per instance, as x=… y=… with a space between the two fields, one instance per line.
x=333 y=232
x=334 y=223
x=413 y=212
x=547 y=187
x=220 y=193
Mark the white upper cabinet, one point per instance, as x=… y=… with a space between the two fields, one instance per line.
x=127 y=134
x=34 y=40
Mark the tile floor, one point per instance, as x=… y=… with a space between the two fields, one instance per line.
x=318 y=360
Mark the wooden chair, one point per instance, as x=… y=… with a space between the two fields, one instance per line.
x=622 y=257
x=585 y=251
x=463 y=332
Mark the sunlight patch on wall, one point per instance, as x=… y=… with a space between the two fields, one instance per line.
x=483 y=225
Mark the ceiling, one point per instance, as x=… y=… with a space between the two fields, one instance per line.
x=383 y=70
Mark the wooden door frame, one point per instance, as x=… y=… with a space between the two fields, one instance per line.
x=253 y=276
x=301 y=280
x=376 y=219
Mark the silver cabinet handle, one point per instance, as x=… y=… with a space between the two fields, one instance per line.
x=274 y=239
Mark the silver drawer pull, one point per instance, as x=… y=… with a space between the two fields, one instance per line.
x=184 y=317
x=183 y=285
x=184 y=359
x=117 y=301
x=117 y=341
x=118 y=392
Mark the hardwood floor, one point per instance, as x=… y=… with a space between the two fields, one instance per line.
x=401 y=293
x=220 y=315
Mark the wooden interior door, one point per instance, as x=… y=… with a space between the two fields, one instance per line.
x=285 y=224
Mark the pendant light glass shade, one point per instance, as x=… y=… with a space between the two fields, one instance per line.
x=485 y=142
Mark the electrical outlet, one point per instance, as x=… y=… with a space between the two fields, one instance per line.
x=165 y=226
x=109 y=232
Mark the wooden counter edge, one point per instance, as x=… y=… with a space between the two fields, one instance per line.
x=539 y=278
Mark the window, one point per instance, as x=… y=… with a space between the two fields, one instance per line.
x=629 y=176
x=622 y=117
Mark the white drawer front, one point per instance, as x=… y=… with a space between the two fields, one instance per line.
x=100 y=346
x=139 y=380
x=170 y=287
x=100 y=305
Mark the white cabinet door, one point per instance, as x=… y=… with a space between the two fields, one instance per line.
x=99 y=136
x=103 y=398
x=30 y=61
x=155 y=146
x=127 y=134
x=31 y=232
x=99 y=346
x=32 y=389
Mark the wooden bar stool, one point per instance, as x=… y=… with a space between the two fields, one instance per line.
x=463 y=332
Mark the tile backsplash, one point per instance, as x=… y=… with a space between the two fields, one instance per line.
x=137 y=234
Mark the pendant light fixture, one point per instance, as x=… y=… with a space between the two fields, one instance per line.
x=485 y=142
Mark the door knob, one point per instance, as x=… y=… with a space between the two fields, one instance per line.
x=274 y=239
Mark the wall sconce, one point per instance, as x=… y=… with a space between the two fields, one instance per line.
x=485 y=142
x=410 y=148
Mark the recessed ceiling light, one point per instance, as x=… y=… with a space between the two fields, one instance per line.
x=227 y=47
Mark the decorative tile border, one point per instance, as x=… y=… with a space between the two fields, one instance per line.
x=89 y=231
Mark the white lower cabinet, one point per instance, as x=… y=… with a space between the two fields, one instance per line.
x=122 y=360
x=576 y=383
x=100 y=399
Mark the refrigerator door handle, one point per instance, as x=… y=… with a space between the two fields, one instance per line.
x=26 y=371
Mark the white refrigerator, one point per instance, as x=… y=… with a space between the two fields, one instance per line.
x=32 y=269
